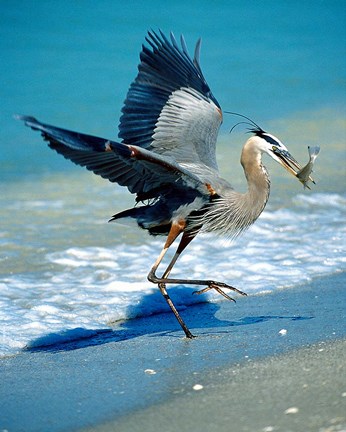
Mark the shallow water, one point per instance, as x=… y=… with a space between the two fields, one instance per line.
x=62 y=265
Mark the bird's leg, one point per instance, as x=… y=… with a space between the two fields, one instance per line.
x=217 y=287
x=176 y=230
x=162 y=288
x=211 y=284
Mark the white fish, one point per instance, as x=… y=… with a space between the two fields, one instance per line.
x=303 y=175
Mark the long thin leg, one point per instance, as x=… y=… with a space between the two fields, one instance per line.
x=211 y=284
x=163 y=290
x=175 y=231
x=184 y=242
x=162 y=286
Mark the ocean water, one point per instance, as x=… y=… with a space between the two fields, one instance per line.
x=62 y=266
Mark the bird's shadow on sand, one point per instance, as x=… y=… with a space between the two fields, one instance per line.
x=200 y=318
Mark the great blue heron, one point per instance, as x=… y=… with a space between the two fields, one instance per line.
x=169 y=126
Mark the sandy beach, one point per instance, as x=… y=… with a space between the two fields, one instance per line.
x=87 y=343
x=271 y=362
x=300 y=391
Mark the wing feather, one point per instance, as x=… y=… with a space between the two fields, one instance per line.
x=169 y=126
x=140 y=170
x=169 y=97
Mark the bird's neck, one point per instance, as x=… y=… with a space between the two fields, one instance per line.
x=233 y=212
x=256 y=197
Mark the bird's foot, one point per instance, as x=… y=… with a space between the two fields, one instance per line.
x=217 y=287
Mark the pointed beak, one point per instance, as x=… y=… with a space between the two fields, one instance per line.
x=286 y=160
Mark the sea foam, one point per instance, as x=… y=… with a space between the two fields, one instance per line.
x=93 y=287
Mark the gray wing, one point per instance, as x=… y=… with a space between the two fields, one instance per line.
x=143 y=172
x=169 y=108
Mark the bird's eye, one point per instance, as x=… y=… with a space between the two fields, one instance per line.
x=274 y=148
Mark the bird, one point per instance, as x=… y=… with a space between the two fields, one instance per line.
x=166 y=157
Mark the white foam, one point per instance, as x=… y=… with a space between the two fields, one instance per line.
x=90 y=287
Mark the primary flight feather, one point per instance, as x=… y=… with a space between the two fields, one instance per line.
x=166 y=157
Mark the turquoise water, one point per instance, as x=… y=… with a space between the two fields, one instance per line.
x=70 y=64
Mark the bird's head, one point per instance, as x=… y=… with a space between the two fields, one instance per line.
x=272 y=146
x=263 y=142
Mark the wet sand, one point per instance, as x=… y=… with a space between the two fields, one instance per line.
x=301 y=391
x=272 y=362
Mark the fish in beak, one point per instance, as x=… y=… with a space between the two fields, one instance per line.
x=304 y=174
x=291 y=165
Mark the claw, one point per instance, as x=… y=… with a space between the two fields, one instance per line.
x=202 y=291
x=217 y=287
x=223 y=285
x=219 y=290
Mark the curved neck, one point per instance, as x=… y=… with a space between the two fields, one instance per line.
x=256 y=197
x=233 y=212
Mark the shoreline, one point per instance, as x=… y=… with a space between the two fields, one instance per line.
x=286 y=392
x=117 y=376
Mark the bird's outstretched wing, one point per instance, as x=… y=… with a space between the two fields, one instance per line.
x=169 y=108
x=140 y=170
